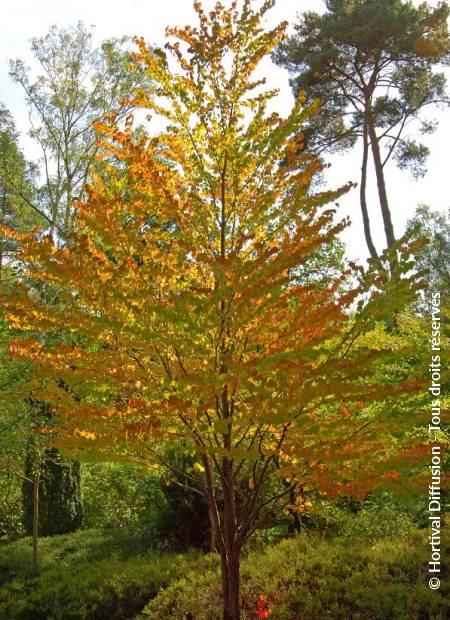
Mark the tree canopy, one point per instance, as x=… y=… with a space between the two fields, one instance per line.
x=371 y=63
x=76 y=83
x=17 y=190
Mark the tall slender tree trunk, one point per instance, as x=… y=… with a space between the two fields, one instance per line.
x=362 y=196
x=36 y=483
x=230 y=566
x=224 y=525
x=230 y=558
x=212 y=505
x=212 y=530
x=381 y=184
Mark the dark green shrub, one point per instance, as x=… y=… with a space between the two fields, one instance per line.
x=89 y=575
x=310 y=577
x=171 y=515
x=131 y=499
x=11 y=506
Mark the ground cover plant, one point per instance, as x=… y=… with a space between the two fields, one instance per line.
x=312 y=577
x=372 y=569
x=91 y=574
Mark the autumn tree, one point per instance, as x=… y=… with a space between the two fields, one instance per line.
x=182 y=314
x=372 y=64
x=74 y=84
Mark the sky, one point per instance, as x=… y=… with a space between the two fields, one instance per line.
x=24 y=19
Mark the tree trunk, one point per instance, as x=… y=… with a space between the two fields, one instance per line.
x=212 y=529
x=224 y=527
x=381 y=184
x=362 y=197
x=230 y=566
x=297 y=522
x=230 y=552
x=216 y=541
x=35 y=516
x=60 y=505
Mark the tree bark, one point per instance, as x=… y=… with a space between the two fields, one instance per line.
x=212 y=529
x=36 y=483
x=362 y=197
x=381 y=184
x=230 y=557
x=212 y=505
x=230 y=566
x=225 y=541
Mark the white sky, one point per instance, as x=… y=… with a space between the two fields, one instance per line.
x=24 y=19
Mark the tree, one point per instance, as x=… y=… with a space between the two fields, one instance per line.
x=435 y=256
x=17 y=190
x=60 y=507
x=78 y=83
x=371 y=64
x=195 y=325
x=14 y=434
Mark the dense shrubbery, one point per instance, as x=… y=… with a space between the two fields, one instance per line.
x=10 y=506
x=95 y=575
x=88 y=575
x=378 y=516
x=310 y=577
x=170 y=514
x=130 y=499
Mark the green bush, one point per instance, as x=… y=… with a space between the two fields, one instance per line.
x=172 y=515
x=378 y=522
x=380 y=515
x=87 y=575
x=10 y=504
x=328 y=518
x=130 y=499
x=310 y=577
x=97 y=575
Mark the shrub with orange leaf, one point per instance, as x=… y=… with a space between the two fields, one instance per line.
x=262 y=611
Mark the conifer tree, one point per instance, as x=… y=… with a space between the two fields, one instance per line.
x=372 y=64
